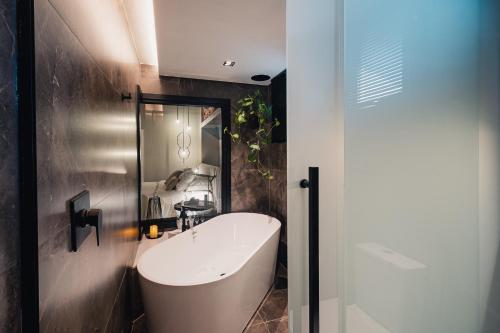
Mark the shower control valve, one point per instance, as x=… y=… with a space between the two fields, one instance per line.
x=83 y=219
x=92 y=218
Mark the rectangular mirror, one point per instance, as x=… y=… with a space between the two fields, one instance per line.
x=184 y=159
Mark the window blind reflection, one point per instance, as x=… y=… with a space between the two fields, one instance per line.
x=381 y=71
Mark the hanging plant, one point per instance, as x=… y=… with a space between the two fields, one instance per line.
x=253 y=119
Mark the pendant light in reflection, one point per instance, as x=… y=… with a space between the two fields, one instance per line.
x=184 y=139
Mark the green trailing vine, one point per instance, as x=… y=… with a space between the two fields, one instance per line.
x=252 y=110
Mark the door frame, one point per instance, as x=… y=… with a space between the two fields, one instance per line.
x=28 y=208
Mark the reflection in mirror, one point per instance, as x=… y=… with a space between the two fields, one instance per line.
x=181 y=158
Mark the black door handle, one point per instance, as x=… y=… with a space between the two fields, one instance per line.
x=313 y=185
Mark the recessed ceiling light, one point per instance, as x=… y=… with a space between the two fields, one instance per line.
x=260 y=77
x=229 y=63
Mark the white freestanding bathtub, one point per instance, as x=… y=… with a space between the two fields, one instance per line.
x=213 y=279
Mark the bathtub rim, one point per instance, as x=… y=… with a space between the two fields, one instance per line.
x=218 y=278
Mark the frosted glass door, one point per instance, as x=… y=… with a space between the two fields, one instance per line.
x=421 y=221
x=397 y=102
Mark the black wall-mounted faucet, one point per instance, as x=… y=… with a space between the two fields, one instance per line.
x=183 y=216
x=92 y=218
x=83 y=219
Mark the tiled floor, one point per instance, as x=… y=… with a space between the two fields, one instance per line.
x=272 y=316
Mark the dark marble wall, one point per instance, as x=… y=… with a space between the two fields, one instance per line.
x=278 y=192
x=10 y=314
x=249 y=191
x=277 y=195
x=85 y=140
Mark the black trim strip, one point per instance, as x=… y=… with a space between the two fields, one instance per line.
x=162 y=223
x=313 y=250
x=313 y=184
x=26 y=89
x=182 y=100
x=139 y=167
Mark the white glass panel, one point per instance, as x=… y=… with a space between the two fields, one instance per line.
x=421 y=166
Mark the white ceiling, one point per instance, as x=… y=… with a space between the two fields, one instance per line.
x=140 y=17
x=194 y=38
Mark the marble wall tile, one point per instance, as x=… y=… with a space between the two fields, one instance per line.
x=85 y=140
x=120 y=319
x=102 y=29
x=10 y=300
x=78 y=290
x=10 y=312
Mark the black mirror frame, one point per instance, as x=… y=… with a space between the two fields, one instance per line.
x=223 y=104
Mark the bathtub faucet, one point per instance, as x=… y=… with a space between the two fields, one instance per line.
x=183 y=216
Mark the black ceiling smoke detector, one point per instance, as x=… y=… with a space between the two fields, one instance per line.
x=260 y=77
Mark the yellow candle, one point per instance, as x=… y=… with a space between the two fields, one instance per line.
x=153 y=231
